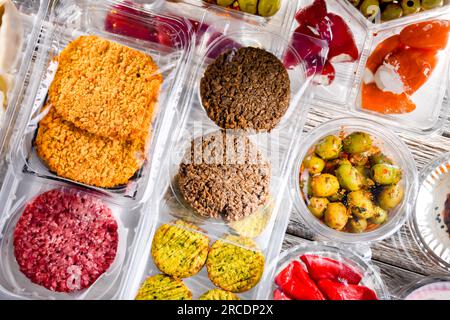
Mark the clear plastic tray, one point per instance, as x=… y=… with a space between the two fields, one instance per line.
x=71 y=20
x=14 y=284
x=343 y=95
x=65 y=21
x=440 y=284
x=29 y=18
x=278 y=147
x=427 y=220
x=392 y=146
x=371 y=277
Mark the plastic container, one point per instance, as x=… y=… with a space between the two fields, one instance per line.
x=343 y=95
x=277 y=20
x=26 y=179
x=377 y=19
x=389 y=144
x=69 y=20
x=370 y=276
x=13 y=282
x=429 y=288
x=427 y=222
x=25 y=24
x=278 y=146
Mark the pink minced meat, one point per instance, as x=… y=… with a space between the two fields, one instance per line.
x=65 y=239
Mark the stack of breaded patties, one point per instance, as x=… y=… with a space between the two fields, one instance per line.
x=101 y=104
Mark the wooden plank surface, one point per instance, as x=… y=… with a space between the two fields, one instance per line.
x=399 y=259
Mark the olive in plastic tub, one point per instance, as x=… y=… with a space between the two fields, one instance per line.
x=360 y=199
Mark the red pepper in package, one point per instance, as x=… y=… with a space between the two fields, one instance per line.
x=339 y=291
x=325 y=268
x=295 y=282
x=280 y=295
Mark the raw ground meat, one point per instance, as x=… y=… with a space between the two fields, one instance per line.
x=65 y=239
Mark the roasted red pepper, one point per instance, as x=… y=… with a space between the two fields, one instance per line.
x=280 y=295
x=325 y=268
x=340 y=291
x=295 y=282
x=313 y=14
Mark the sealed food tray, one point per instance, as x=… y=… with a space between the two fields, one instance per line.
x=21 y=188
x=344 y=93
x=265 y=227
x=370 y=276
x=70 y=20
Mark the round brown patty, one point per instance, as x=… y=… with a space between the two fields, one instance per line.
x=224 y=175
x=105 y=88
x=75 y=154
x=246 y=89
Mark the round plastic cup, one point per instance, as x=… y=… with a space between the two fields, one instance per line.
x=389 y=144
x=371 y=278
x=429 y=288
x=427 y=220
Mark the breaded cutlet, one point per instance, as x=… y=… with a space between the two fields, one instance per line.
x=106 y=88
x=84 y=157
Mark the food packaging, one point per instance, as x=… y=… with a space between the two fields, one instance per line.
x=370 y=277
x=390 y=145
x=171 y=60
x=265 y=227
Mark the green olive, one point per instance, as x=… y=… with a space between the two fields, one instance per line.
x=324 y=185
x=357 y=225
x=360 y=204
x=380 y=216
x=370 y=8
x=225 y=3
x=410 y=6
x=317 y=206
x=386 y=174
x=314 y=164
x=390 y=196
x=431 y=4
x=369 y=183
x=338 y=197
x=358 y=159
x=391 y=12
x=336 y=216
x=267 y=8
x=364 y=171
x=349 y=178
x=249 y=6
x=357 y=142
x=379 y=158
x=355 y=2
x=329 y=147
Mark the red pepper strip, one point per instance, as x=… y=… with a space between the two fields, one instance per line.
x=295 y=282
x=340 y=291
x=325 y=268
x=280 y=295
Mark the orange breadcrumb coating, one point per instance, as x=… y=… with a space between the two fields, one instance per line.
x=81 y=156
x=105 y=88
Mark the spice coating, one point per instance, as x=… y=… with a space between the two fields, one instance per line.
x=218 y=294
x=179 y=250
x=162 y=287
x=235 y=267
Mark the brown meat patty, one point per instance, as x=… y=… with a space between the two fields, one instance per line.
x=246 y=89
x=105 y=88
x=78 y=155
x=224 y=176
